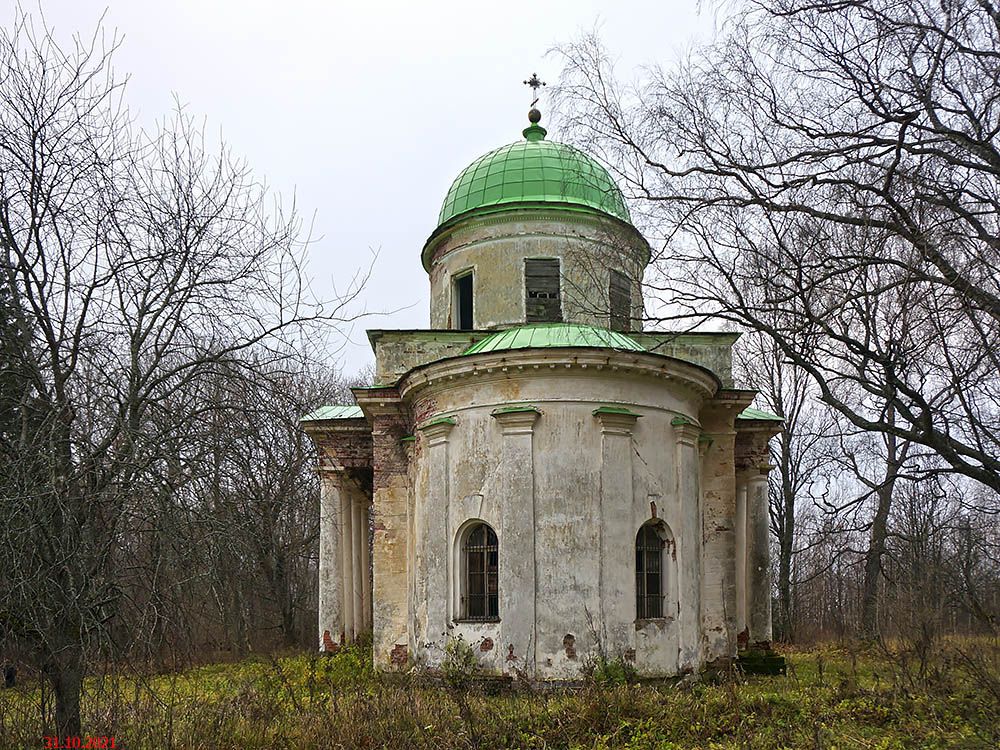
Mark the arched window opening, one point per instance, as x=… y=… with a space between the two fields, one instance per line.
x=480 y=558
x=649 y=579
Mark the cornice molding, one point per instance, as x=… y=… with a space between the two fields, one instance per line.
x=511 y=363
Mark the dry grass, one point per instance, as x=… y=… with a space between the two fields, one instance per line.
x=833 y=697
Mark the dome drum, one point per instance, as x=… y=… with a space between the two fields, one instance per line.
x=495 y=253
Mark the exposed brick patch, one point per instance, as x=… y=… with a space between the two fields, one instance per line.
x=399 y=655
x=743 y=638
x=486 y=645
x=510 y=653
x=344 y=446
x=569 y=644
x=424 y=409
x=390 y=458
x=328 y=644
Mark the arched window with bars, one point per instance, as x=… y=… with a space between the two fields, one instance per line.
x=650 y=578
x=480 y=574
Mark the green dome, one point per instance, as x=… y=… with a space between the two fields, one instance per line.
x=534 y=171
x=551 y=335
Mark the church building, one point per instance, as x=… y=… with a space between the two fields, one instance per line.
x=535 y=473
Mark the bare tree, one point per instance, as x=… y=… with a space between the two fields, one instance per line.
x=135 y=268
x=827 y=174
x=801 y=455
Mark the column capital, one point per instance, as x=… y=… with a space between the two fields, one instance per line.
x=758 y=474
x=437 y=429
x=517 y=419
x=616 y=420
x=687 y=430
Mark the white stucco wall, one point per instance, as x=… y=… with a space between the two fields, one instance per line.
x=566 y=492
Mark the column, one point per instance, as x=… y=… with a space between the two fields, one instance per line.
x=688 y=469
x=719 y=559
x=357 y=564
x=758 y=560
x=366 y=568
x=347 y=565
x=331 y=621
x=517 y=532
x=617 y=561
x=741 y=552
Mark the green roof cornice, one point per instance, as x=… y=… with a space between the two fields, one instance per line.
x=438 y=421
x=516 y=409
x=619 y=410
x=758 y=414
x=334 y=412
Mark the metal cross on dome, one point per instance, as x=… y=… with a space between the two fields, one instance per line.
x=536 y=83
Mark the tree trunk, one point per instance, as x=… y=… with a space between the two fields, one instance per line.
x=65 y=673
x=876 y=545
x=282 y=592
x=873 y=562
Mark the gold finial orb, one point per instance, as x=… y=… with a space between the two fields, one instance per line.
x=534 y=116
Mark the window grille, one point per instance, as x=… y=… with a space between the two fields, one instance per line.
x=541 y=291
x=480 y=555
x=620 y=299
x=648 y=573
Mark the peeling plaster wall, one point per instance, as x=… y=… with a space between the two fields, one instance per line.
x=570 y=507
x=711 y=350
x=398 y=352
x=495 y=249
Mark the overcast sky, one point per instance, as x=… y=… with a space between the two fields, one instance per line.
x=365 y=110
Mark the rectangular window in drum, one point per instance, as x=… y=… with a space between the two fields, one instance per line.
x=620 y=299
x=541 y=291
x=463 y=302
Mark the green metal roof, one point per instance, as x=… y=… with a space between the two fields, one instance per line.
x=438 y=421
x=533 y=171
x=334 y=412
x=758 y=414
x=617 y=409
x=551 y=335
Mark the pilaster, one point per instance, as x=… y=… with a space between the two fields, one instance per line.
x=718 y=530
x=390 y=495
x=517 y=530
x=687 y=461
x=618 y=610
x=433 y=542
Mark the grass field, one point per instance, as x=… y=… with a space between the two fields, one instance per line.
x=833 y=697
